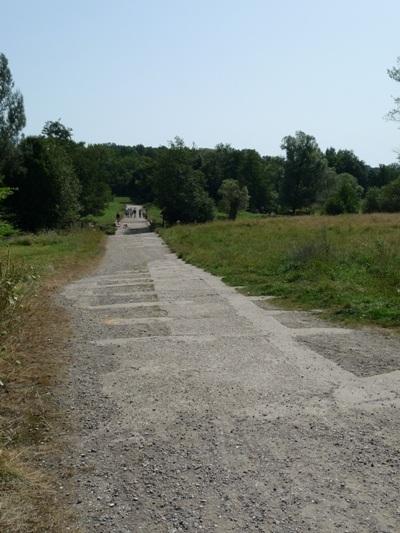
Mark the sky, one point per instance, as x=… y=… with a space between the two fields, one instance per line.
x=243 y=72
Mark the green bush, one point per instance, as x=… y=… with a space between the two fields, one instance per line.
x=13 y=276
x=372 y=202
x=6 y=230
x=345 y=196
x=390 y=197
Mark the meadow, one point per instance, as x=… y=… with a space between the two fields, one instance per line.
x=346 y=266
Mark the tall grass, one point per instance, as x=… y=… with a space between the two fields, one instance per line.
x=349 y=266
x=15 y=276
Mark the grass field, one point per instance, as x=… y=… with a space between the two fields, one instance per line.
x=117 y=205
x=32 y=342
x=348 y=266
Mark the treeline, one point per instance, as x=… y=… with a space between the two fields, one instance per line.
x=51 y=181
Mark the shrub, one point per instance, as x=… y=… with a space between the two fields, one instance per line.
x=390 y=196
x=13 y=276
x=345 y=196
x=6 y=230
x=372 y=201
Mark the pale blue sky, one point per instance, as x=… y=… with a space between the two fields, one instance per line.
x=245 y=72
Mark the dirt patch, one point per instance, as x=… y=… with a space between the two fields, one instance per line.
x=361 y=352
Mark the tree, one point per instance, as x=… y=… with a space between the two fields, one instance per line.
x=233 y=197
x=346 y=196
x=56 y=130
x=47 y=188
x=382 y=175
x=253 y=173
x=180 y=190
x=304 y=169
x=390 y=197
x=394 y=74
x=12 y=115
x=346 y=162
x=372 y=201
x=91 y=168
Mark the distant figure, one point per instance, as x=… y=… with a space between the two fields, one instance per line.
x=117 y=219
x=126 y=211
x=134 y=213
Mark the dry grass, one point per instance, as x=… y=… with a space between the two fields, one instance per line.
x=32 y=363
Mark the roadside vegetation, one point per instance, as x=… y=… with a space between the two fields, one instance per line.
x=348 y=266
x=32 y=360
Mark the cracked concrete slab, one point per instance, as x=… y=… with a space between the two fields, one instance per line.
x=209 y=410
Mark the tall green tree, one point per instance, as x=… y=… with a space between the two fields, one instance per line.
x=12 y=114
x=180 y=190
x=12 y=119
x=56 y=130
x=233 y=198
x=91 y=165
x=304 y=170
x=47 y=189
x=253 y=174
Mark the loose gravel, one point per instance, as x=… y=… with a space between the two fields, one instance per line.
x=197 y=410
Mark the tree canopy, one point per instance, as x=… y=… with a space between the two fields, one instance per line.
x=304 y=169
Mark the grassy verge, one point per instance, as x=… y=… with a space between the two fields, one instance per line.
x=348 y=266
x=32 y=359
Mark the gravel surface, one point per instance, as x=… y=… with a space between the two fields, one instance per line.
x=197 y=410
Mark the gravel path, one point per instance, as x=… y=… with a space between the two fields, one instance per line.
x=200 y=409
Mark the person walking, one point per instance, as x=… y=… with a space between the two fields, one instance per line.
x=117 y=219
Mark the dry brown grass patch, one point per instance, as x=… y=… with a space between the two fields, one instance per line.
x=33 y=362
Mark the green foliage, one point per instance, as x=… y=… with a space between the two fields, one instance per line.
x=233 y=198
x=6 y=229
x=345 y=196
x=57 y=130
x=13 y=278
x=12 y=121
x=91 y=164
x=390 y=197
x=12 y=114
x=372 y=202
x=304 y=170
x=180 y=190
x=348 y=265
x=346 y=162
x=47 y=188
x=383 y=174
